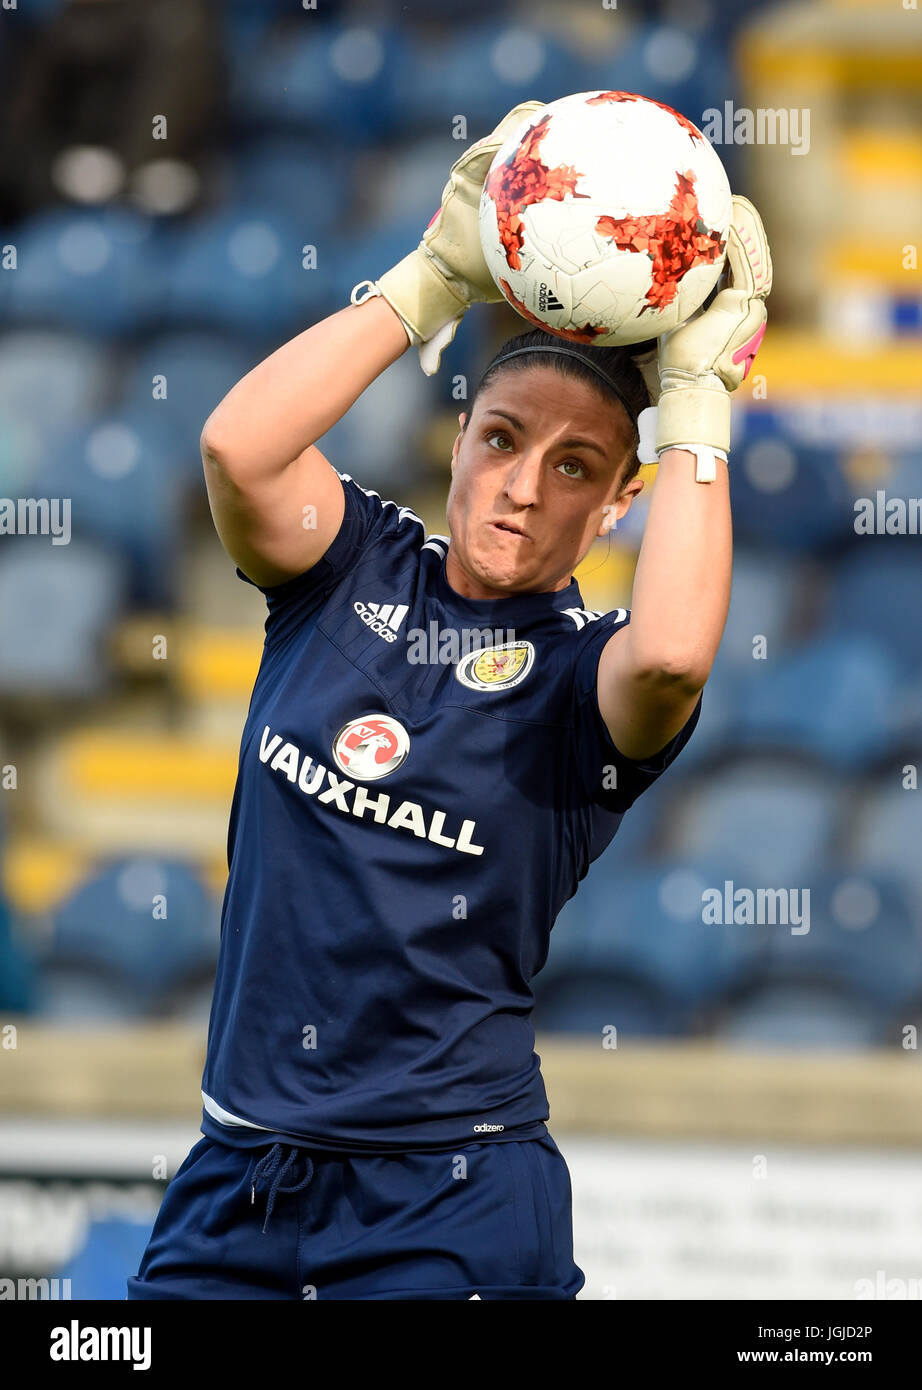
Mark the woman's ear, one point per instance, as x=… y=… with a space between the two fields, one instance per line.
x=457 y=444
x=613 y=512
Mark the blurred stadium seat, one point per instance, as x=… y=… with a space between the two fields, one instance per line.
x=839 y=983
x=96 y=270
x=131 y=933
x=122 y=474
x=831 y=699
x=49 y=381
x=767 y=589
x=239 y=268
x=309 y=183
x=769 y=821
x=342 y=77
x=788 y=496
x=639 y=932
x=875 y=590
x=57 y=604
x=196 y=370
x=885 y=832
x=489 y=68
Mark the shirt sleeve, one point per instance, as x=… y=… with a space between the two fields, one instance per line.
x=607 y=776
x=367 y=521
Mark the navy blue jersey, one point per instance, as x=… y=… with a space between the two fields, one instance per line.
x=423 y=781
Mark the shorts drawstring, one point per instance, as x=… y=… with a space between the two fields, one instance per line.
x=270 y=1168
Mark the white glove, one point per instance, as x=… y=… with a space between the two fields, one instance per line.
x=433 y=287
x=699 y=363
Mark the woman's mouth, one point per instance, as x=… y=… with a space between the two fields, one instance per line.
x=508 y=529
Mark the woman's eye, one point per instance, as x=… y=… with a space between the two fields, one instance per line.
x=572 y=463
x=498 y=434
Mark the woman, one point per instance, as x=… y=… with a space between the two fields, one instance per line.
x=441 y=739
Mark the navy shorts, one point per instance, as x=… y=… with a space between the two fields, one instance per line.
x=492 y=1220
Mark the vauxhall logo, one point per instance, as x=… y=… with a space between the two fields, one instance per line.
x=371 y=748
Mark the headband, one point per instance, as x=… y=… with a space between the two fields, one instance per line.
x=580 y=357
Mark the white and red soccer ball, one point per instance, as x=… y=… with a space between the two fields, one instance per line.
x=604 y=218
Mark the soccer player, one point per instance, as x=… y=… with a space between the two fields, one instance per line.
x=440 y=741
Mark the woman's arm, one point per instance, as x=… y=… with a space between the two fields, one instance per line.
x=276 y=502
x=652 y=671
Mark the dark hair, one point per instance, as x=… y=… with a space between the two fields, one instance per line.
x=615 y=363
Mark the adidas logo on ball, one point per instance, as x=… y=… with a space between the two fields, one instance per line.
x=547 y=299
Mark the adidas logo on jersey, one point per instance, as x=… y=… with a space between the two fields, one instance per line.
x=547 y=299
x=384 y=619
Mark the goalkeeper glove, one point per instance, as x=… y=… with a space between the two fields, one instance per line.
x=699 y=363
x=433 y=287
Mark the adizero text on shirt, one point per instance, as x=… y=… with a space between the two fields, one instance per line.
x=423 y=781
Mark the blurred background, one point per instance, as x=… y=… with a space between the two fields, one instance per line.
x=183 y=186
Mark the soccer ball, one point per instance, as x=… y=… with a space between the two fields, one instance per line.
x=604 y=218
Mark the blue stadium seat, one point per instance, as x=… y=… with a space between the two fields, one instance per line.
x=123 y=476
x=199 y=369
x=840 y=983
x=788 y=496
x=245 y=22
x=239 y=268
x=310 y=184
x=638 y=936
x=482 y=71
x=832 y=698
x=94 y=269
x=769 y=822
x=49 y=381
x=767 y=587
x=862 y=938
x=877 y=593
x=106 y=932
x=886 y=834
x=341 y=77
x=903 y=477
x=57 y=603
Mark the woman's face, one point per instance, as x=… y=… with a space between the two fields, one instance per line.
x=542 y=454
